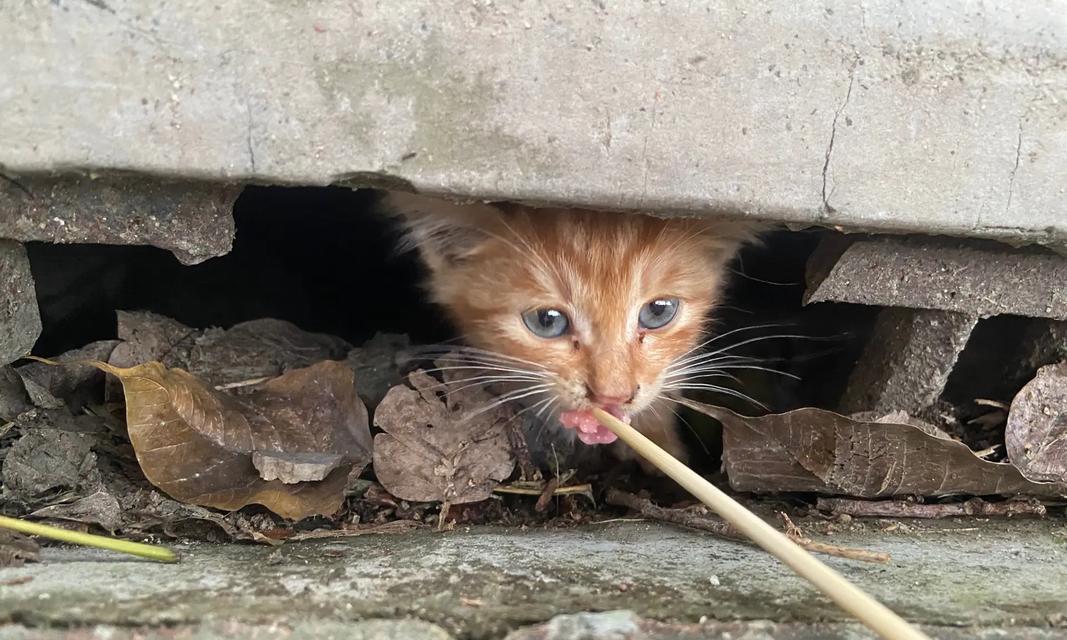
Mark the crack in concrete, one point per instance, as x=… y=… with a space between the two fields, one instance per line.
x=1014 y=169
x=100 y=4
x=248 y=139
x=644 y=148
x=833 y=135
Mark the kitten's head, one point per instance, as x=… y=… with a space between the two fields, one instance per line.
x=596 y=306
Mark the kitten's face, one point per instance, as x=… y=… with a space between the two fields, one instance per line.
x=594 y=306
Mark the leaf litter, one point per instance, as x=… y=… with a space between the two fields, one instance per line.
x=441 y=447
x=198 y=445
x=819 y=451
x=261 y=432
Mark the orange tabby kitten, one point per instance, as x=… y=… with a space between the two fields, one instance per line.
x=576 y=308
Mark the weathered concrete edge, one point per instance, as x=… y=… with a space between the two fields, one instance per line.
x=192 y=219
x=554 y=629
x=770 y=215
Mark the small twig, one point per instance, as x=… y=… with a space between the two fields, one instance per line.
x=988 y=451
x=796 y=534
x=682 y=517
x=872 y=613
x=723 y=529
x=151 y=552
x=546 y=495
x=904 y=509
x=982 y=402
x=242 y=383
x=442 y=517
x=397 y=526
x=538 y=489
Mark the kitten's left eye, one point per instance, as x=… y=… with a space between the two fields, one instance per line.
x=658 y=313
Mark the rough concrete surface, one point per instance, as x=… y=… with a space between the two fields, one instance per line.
x=20 y=320
x=975 y=278
x=907 y=360
x=941 y=117
x=192 y=219
x=607 y=625
x=486 y=582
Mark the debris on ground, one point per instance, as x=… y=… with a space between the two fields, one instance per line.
x=698 y=517
x=263 y=432
x=1036 y=430
x=251 y=351
x=16 y=549
x=819 y=451
x=911 y=509
x=379 y=364
x=199 y=445
x=441 y=444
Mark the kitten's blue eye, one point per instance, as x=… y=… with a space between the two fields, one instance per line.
x=658 y=313
x=546 y=323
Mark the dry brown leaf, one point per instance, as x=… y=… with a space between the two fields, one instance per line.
x=813 y=450
x=197 y=444
x=1036 y=433
x=439 y=447
x=262 y=348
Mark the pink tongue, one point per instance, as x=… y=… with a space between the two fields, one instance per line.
x=588 y=428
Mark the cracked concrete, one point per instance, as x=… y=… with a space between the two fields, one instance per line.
x=985 y=576
x=508 y=100
x=1015 y=168
x=830 y=146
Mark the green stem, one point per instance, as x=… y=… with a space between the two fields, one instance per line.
x=152 y=552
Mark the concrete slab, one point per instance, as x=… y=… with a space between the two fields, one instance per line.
x=973 y=278
x=944 y=118
x=485 y=582
x=20 y=320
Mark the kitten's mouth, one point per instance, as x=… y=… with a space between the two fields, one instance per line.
x=588 y=428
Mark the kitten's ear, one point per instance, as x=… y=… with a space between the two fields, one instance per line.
x=725 y=238
x=443 y=232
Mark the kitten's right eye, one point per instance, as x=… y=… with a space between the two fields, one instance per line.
x=546 y=323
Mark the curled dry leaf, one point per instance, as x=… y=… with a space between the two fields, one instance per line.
x=1036 y=433
x=813 y=450
x=197 y=444
x=439 y=447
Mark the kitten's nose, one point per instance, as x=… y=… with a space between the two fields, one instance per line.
x=610 y=397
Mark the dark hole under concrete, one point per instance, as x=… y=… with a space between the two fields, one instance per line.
x=323 y=259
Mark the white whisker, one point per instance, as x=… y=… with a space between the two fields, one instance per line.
x=718 y=389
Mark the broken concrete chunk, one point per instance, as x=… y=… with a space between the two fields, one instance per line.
x=294 y=467
x=1044 y=342
x=970 y=277
x=45 y=461
x=907 y=361
x=1036 y=433
x=20 y=321
x=13 y=397
x=193 y=220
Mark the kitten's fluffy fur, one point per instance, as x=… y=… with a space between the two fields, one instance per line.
x=491 y=263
